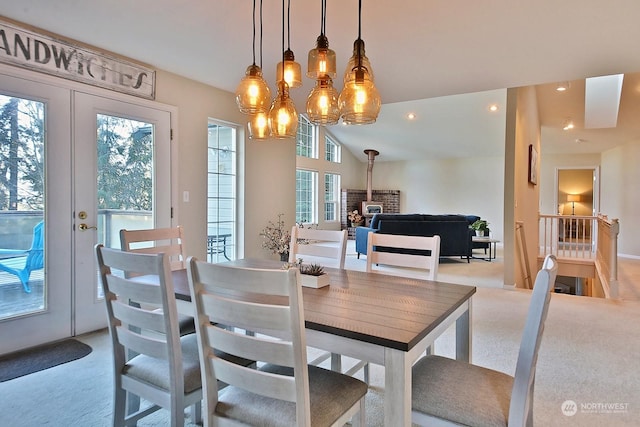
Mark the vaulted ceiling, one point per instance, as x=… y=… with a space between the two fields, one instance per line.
x=444 y=61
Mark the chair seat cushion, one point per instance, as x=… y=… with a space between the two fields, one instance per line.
x=156 y=371
x=331 y=395
x=461 y=392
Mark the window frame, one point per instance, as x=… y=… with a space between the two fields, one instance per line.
x=225 y=230
x=314 y=197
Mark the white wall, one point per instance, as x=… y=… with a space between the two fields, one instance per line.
x=468 y=186
x=620 y=194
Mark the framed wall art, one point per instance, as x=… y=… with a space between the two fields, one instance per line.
x=533 y=165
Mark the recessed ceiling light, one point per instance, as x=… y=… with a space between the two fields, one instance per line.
x=561 y=87
x=411 y=116
x=493 y=107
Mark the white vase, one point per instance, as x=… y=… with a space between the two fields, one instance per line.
x=314 y=281
x=480 y=233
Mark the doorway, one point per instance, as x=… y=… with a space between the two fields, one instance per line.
x=101 y=162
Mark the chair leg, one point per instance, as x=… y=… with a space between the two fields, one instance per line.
x=366 y=374
x=196 y=413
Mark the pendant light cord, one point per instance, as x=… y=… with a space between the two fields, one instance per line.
x=260 y=32
x=323 y=15
x=282 y=40
x=254 y=32
x=359 y=17
x=359 y=31
x=288 y=24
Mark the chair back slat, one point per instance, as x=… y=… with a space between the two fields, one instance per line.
x=377 y=242
x=331 y=244
x=141 y=344
x=169 y=241
x=520 y=408
x=245 y=314
x=245 y=292
x=137 y=291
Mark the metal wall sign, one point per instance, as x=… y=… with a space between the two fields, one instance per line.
x=26 y=48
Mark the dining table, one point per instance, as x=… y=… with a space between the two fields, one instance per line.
x=383 y=319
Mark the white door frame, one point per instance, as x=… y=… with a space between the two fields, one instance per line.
x=38 y=329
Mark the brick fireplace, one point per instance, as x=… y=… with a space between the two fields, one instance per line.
x=352 y=199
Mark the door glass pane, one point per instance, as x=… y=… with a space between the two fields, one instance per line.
x=124 y=177
x=22 y=143
x=221 y=193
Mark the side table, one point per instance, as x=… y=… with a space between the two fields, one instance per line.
x=492 y=246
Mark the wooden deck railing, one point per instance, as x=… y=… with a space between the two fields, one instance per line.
x=586 y=238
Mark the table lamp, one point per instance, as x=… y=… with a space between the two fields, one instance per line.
x=573 y=198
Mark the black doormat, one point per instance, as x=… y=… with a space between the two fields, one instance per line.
x=40 y=358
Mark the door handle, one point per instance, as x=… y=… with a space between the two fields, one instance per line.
x=85 y=227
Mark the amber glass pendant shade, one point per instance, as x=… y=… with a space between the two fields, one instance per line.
x=358 y=49
x=253 y=94
x=283 y=117
x=359 y=101
x=322 y=103
x=292 y=71
x=321 y=60
x=258 y=126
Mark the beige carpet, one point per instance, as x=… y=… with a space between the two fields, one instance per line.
x=588 y=355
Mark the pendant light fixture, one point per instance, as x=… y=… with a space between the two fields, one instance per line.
x=258 y=126
x=359 y=100
x=322 y=60
x=283 y=117
x=322 y=103
x=253 y=94
x=288 y=67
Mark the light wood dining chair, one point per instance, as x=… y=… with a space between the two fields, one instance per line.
x=452 y=392
x=418 y=252
x=326 y=244
x=313 y=245
x=168 y=241
x=165 y=369
x=284 y=390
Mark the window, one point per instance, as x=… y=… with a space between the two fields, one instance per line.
x=331 y=191
x=305 y=141
x=221 y=193
x=331 y=150
x=306 y=184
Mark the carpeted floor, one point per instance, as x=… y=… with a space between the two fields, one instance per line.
x=588 y=355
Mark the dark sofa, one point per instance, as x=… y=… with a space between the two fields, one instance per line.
x=455 y=234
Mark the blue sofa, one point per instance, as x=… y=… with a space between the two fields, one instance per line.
x=455 y=234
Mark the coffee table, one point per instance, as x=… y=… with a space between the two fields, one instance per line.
x=492 y=247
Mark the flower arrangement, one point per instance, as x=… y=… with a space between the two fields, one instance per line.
x=355 y=217
x=276 y=237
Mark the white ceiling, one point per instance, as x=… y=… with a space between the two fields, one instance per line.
x=422 y=51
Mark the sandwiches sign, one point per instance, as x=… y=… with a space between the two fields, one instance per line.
x=25 y=48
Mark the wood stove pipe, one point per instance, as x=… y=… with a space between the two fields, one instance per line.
x=371 y=154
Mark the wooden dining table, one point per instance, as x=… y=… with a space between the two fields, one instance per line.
x=383 y=319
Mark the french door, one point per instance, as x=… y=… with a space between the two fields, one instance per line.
x=107 y=167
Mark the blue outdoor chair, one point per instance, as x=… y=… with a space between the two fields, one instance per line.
x=22 y=262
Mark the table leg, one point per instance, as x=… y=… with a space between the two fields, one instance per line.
x=397 y=388
x=463 y=335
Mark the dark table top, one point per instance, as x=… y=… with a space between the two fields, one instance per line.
x=391 y=311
